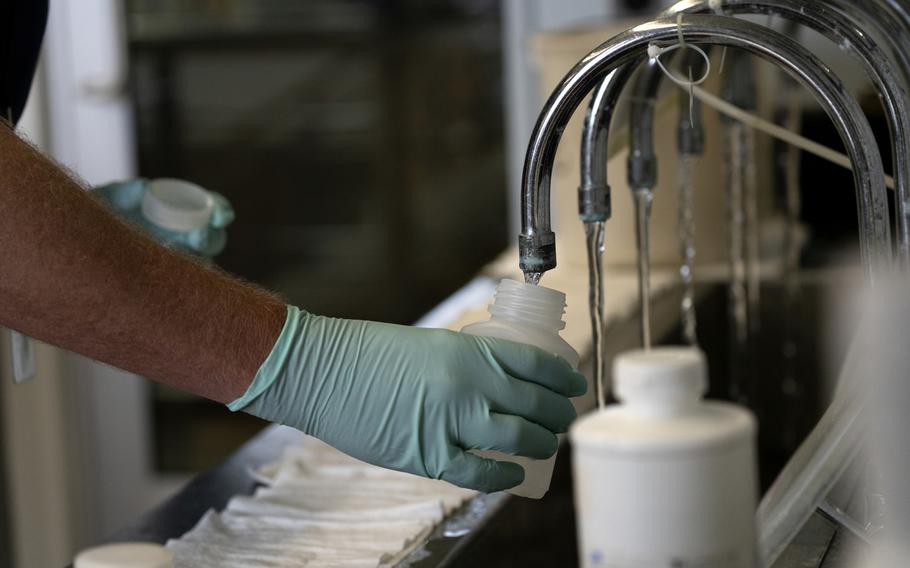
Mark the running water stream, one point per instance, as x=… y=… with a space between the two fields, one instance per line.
x=643 y=198
x=686 y=224
x=752 y=229
x=736 y=226
x=594 y=231
x=790 y=385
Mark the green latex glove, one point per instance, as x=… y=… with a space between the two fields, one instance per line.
x=415 y=399
x=125 y=199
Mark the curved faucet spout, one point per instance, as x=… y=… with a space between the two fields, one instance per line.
x=889 y=19
x=537 y=241
x=642 y=166
x=594 y=191
x=836 y=22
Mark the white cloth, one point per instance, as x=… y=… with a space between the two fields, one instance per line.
x=320 y=509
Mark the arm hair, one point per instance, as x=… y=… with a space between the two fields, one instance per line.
x=74 y=275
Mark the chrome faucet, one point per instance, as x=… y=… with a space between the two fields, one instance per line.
x=838 y=22
x=537 y=242
x=889 y=19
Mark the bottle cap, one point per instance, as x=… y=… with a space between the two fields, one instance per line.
x=661 y=376
x=126 y=555
x=177 y=205
x=661 y=415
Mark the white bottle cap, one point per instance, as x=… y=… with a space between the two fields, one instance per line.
x=661 y=414
x=662 y=376
x=177 y=205
x=126 y=555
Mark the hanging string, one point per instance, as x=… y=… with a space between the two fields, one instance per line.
x=724 y=107
x=655 y=51
x=777 y=131
x=717 y=6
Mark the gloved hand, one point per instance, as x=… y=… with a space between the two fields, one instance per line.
x=125 y=199
x=414 y=399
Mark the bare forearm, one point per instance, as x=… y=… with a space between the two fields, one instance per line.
x=73 y=275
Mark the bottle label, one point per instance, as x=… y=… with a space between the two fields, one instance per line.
x=605 y=559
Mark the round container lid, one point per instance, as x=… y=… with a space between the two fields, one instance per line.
x=126 y=555
x=661 y=412
x=662 y=375
x=177 y=205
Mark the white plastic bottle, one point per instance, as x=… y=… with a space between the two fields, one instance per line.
x=665 y=478
x=126 y=555
x=527 y=314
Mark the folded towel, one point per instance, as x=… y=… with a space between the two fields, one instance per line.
x=320 y=509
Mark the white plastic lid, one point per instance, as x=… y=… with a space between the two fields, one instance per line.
x=177 y=205
x=126 y=555
x=662 y=376
x=661 y=412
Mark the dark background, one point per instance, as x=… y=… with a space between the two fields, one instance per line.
x=361 y=144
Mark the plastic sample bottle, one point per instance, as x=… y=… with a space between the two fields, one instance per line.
x=665 y=478
x=529 y=314
x=126 y=555
x=174 y=212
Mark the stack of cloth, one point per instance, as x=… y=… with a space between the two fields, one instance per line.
x=319 y=508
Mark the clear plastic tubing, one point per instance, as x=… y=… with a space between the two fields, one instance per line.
x=594 y=232
x=814 y=469
x=643 y=198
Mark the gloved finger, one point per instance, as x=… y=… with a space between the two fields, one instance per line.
x=534 y=403
x=510 y=435
x=482 y=474
x=535 y=365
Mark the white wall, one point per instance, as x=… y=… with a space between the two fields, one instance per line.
x=90 y=120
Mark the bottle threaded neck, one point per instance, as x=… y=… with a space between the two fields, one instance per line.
x=661 y=381
x=529 y=304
